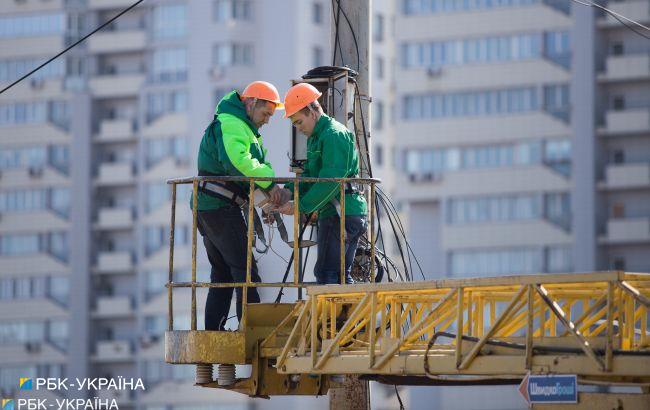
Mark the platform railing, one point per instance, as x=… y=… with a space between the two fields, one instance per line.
x=369 y=190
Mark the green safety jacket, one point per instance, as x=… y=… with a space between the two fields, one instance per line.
x=231 y=146
x=330 y=154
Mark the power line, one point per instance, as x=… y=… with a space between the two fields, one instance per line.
x=72 y=46
x=618 y=17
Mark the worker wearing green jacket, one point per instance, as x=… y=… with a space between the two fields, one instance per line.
x=330 y=154
x=232 y=146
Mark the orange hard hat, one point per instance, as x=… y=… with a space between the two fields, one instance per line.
x=298 y=97
x=263 y=91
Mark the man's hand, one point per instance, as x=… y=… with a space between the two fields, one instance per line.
x=279 y=196
x=268 y=218
x=286 y=209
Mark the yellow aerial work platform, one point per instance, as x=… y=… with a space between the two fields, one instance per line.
x=456 y=331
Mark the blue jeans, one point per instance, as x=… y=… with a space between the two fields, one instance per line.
x=328 y=264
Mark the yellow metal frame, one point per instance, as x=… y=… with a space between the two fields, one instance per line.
x=594 y=325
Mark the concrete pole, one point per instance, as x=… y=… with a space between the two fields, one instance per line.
x=358 y=12
x=355 y=394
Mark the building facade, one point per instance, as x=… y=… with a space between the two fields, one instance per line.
x=523 y=141
x=86 y=145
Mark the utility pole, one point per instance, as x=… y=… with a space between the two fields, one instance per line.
x=354 y=393
x=358 y=13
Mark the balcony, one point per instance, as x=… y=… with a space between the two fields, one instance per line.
x=115 y=86
x=113 y=262
x=109 y=4
x=115 y=173
x=622 y=176
x=117 y=41
x=113 y=351
x=629 y=121
x=115 y=131
x=638 y=10
x=626 y=67
x=114 y=218
x=626 y=230
x=113 y=306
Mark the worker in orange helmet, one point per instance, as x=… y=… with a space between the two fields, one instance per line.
x=232 y=146
x=331 y=153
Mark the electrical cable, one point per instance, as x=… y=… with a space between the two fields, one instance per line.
x=618 y=17
x=72 y=46
x=354 y=35
x=290 y=262
x=337 y=17
x=399 y=399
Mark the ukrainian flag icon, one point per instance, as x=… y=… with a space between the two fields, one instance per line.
x=26 y=383
x=7 y=404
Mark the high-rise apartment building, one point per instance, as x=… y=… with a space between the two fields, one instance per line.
x=86 y=145
x=523 y=138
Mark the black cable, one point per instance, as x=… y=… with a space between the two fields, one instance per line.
x=337 y=17
x=403 y=231
x=616 y=16
x=627 y=25
x=286 y=272
x=399 y=244
x=399 y=399
x=393 y=216
x=71 y=46
x=354 y=35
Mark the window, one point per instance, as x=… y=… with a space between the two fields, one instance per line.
x=170 y=65
x=224 y=10
x=224 y=55
x=557 y=209
x=160 y=148
x=557 y=155
x=165 y=102
x=379 y=67
x=470 y=104
x=11 y=70
x=170 y=21
x=471 y=51
x=157 y=236
x=496 y=261
x=19 y=244
x=32 y=25
x=557 y=100
x=557 y=47
x=317 y=13
x=58 y=333
x=378 y=115
x=378 y=155
x=494 y=208
x=378 y=28
x=559 y=259
x=317 y=56
x=424 y=7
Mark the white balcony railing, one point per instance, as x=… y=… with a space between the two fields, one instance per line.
x=115 y=173
x=628 y=230
x=114 y=262
x=115 y=130
x=629 y=66
x=627 y=175
x=627 y=121
x=110 y=306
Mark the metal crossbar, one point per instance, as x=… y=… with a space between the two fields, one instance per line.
x=581 y=323
x=296 y=282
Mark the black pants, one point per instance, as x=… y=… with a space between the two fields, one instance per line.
x=225 y=238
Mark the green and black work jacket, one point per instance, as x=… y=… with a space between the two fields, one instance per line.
x=231 y=146
x=330 y=154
